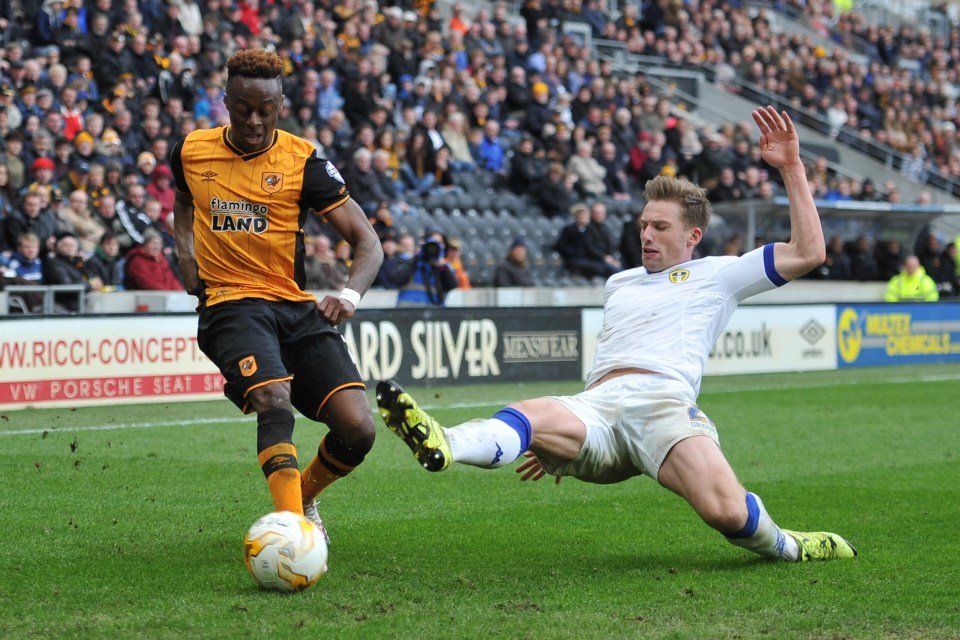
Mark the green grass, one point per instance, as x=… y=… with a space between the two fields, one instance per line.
x=135 y=532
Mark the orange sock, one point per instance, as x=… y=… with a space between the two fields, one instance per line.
x=322 y=471
x=279 y=464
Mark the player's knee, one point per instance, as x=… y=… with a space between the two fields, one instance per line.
x=352 y=422
x=348 y=415
x=275 y=395
x=726 y=516
x=359 y=434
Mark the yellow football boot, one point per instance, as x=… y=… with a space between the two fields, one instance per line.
x=414 y=426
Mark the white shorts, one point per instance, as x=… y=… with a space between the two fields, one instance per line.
x=632 y=423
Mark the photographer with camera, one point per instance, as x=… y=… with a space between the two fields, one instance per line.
x=430 y=275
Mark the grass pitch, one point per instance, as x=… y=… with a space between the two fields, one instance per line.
x=127 y=522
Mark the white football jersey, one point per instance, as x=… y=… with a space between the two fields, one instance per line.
x=668 y=322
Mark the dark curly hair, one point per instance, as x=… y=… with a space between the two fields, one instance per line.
x=254 y=63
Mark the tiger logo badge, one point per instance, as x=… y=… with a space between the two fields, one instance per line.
x=248 y=366
x=678 y=275
x=272 y=182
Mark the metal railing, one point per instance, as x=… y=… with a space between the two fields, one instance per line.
x=16 y=293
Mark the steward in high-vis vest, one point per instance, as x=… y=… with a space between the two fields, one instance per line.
x=912 y=284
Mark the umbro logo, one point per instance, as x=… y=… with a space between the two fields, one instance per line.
x=208 y=176
x=281 y=461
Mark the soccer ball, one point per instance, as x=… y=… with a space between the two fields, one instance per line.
x=284 y=551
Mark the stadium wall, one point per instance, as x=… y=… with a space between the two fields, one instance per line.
x=153 y=357
x=801 y=291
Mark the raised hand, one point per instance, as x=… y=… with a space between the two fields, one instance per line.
x=779 y=142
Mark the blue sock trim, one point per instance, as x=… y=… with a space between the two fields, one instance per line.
x=753 y=519
x=519 y=423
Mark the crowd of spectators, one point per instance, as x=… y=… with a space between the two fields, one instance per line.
x=862 y=259
x=905 y=95
x=410 y=102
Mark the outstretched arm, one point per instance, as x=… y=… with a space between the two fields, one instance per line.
x=351 y=223
x=780 y=146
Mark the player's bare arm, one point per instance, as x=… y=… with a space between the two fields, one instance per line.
x=183 y=228
x=351 y=223
x=780 y=146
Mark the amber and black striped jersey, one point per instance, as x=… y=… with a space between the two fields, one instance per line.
x=249 y=211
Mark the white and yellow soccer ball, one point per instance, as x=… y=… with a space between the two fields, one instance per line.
x=285 y=552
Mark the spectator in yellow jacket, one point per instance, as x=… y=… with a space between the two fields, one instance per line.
x=912 y=284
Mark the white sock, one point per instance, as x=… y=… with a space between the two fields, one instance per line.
x=762 y=535
x=489 y=443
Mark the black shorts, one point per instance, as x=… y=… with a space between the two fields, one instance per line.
x=255 y=342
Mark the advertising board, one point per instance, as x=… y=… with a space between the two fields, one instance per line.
x=66 y=361
x=890 y=334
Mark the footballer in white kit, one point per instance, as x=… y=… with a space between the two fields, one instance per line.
x=669 y=321
x=638 y=412
x=664 y=323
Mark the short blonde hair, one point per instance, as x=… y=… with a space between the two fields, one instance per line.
x=695 y=208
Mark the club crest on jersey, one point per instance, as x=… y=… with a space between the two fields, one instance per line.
x=248 y=366
x=678 y=275
x=272 y=182
x=333 y=173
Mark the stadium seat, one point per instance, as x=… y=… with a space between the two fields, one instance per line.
x=449 y=200
x=482 y=201
x=471 y=262
x=476 y=184
x=412 y=221
x=18 y=303
x=555 y=261
x=511 y=228
x=616 y=231
x=537 y=259
x=463 y=179
x=413 y=198
x=508 y=202
x=530 y=225
x=530 y=210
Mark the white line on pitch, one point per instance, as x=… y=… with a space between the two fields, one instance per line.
x=471 y=405
x=123 y=425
